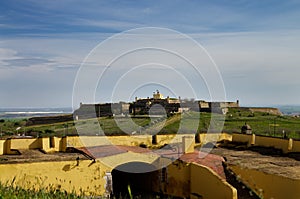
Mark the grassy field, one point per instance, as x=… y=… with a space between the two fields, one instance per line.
x=261 y=123
x=110 y=126
x=13 y=192
x=7 y=191
x=191 y=122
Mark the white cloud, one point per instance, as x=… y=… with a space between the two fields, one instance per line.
x=254 y=64
x=110 y=24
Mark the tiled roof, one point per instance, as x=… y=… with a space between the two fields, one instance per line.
x=212 y=161
x=209 y=160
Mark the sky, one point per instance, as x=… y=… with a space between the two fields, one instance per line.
x=254 y=44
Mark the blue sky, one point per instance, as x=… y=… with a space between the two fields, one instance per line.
x=254 y=43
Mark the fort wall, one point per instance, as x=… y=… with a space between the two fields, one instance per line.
x=85 y=178
x=267 y=185
x=60 y=144
x=182 y=179
x=286 y=145
x=203 y=179
x=2 y=149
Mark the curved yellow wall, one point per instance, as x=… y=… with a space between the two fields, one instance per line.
x=206 y=183
x=268 y=186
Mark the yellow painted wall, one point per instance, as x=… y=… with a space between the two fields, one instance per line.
x=64 y=175
x=225 y=136
x=123 y=140
x=268 y=186
x=241 y=138
x=209 y=185
x=188 y=144
x=283 y=144
x=272 y=142
x=76 y=141
x=58 y=144
x=178 y=183
x=88 y=178
x=166 y=139
x=7 y=148
x=123 y=158
x=188 y=180
x=81 y=141
x=45 y=142
x=31 y=143
x=37 y=143
x=296 y=146
x=2 y=147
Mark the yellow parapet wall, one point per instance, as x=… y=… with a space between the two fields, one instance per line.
x=296 y=146
x=272 y=142
x=267 y=185
x=2 y=143
x=286 y=145
x=89 y=141
x=23 y=143
x=85 y=178
x=60 y=144
x=178 y=180
x=49 y=144
x=208 y=185
x=185 y=180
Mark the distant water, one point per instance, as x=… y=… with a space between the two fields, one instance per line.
x=289 y=109
x=32 y=112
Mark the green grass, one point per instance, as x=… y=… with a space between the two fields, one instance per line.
x=261 y=123
x=86 y=127
x=15 y=192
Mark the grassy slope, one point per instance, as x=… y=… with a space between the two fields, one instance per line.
x=261 y=123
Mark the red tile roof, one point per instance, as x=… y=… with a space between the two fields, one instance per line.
x=212 y=161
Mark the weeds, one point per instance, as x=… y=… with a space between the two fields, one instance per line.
x=8 y=191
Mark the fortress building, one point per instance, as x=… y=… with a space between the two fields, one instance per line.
x=157 y=105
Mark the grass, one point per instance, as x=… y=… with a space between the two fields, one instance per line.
x=109 y=125
x=261 y=123
x=16 y=192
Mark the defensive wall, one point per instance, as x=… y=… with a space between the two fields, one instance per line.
x=268 y=185
x=90 y=177
x=53 y=144
x=286 y=145
x=183 y=180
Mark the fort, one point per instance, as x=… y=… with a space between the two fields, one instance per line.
x=141 y=106
x=100 y=165
x=157 y=104
x=154 y=165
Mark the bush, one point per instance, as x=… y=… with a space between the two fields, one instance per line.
x=49 y=131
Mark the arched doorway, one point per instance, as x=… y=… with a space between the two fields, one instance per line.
x=138 y=177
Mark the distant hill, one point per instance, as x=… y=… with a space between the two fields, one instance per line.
x=289 y=109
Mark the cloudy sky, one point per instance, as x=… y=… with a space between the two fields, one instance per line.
x=255 y=45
